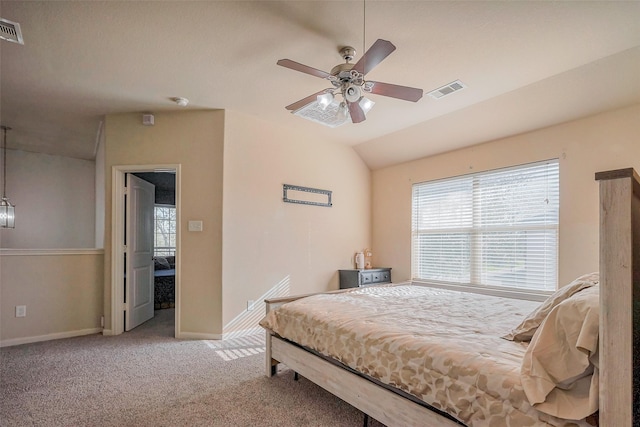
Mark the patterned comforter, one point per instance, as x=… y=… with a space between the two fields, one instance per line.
x=441 y=346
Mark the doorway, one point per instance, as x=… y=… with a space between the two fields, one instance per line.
x=119 y=242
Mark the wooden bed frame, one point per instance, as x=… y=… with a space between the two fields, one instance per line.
x=619 y=342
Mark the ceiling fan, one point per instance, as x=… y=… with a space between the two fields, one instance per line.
x=348 y=81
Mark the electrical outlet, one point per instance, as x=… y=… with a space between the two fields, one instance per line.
x=250 y=304
x=21 y=311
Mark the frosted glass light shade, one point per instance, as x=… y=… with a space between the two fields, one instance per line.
x=343 y=111
x=325 y=100
x=366 y=104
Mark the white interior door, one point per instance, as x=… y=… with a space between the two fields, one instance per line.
x=139 y=252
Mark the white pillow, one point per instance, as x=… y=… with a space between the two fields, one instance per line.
x=525 y=330
x=559 y=370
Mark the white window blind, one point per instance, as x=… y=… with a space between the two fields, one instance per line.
x=497 y=228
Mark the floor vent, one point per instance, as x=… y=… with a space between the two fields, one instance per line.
x=447 y=89
x=10 y=31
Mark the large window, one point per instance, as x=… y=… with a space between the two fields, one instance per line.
x=497 y=228
x=164 y=230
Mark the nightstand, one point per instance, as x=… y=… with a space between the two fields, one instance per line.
x=358 y=277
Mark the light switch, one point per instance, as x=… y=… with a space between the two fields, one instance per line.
x=195 y=225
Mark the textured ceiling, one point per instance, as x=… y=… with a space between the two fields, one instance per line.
x=527 y=65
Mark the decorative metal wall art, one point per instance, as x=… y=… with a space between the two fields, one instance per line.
x=306 y=195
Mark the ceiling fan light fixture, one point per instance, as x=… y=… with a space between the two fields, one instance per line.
x=343 y=111
x=348 y=81
x=366 y=104
x=325 y=99
x=352 y=93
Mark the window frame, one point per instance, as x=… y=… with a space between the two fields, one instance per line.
x=474 y=232
x=164 y=249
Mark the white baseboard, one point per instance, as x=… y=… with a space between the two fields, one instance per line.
x=49 y=337
x=197 y=336
x=223 y=336
x=107 y=332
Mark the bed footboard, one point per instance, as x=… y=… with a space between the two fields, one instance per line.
x=271 y=363
x=272 y=304
x=384 y=405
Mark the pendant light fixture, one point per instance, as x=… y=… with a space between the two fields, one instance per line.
x=7 y=210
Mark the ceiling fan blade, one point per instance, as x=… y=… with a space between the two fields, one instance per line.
x=394 y=91
x=375 y=55
x=287 y=63
x=357 y=115
x=305 y=101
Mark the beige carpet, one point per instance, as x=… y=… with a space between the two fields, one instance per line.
x=147 y=378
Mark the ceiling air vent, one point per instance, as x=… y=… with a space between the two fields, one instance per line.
x=447 y=89
x=10 y=31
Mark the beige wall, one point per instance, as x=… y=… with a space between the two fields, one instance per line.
x=253 y=245
x=55 y=201
x=583 y=147
x=274 y=248
x=61 y=287
x=193 y=139
x=62 y=291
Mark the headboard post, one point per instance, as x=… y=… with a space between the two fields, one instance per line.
x=619 y=298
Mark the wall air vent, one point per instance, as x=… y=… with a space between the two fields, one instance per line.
x=329 y=117
x=447 y=89
x=10 y=31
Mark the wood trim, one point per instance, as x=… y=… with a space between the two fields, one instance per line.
x=385 y=406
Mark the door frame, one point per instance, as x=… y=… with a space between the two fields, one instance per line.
x=118 y=173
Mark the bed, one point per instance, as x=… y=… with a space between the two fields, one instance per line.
x=164 y=289
x=164 y=280
x=384 y=396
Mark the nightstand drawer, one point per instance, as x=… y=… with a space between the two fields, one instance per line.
x=366 y=278
x=356 y=278
x=385 y=276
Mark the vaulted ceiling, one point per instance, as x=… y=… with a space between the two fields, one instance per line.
x=526 y=64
